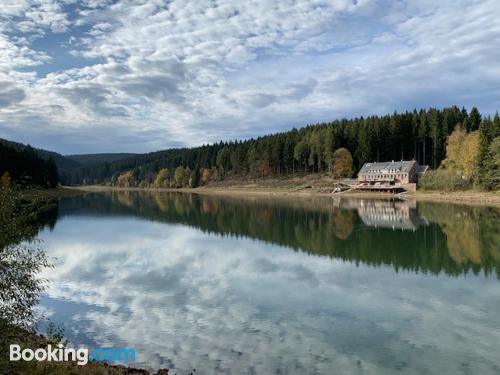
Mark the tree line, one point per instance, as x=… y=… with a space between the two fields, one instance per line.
x=419 y=135
x=472 y=160
x=25 y=167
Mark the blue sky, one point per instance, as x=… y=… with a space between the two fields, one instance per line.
x=142 y=75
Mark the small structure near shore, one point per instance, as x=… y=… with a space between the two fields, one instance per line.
x=391 y=177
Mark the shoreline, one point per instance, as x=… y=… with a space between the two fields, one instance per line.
x=461 y=197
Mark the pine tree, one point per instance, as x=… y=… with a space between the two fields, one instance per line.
x=474 y=120
x=490 y=178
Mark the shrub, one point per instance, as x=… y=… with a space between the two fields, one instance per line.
x=445 y=180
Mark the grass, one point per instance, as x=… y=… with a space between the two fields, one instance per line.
x=58 y=192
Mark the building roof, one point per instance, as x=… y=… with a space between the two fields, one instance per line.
x=422 y=168
x=388 y=167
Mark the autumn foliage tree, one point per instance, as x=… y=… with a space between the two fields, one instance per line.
x=127 y=179
x=454 y=149
x=463 y=153
x=342 y=163
x=163 y=178
x=205 y=176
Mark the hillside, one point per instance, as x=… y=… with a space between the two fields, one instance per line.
x=89 y=159
x=24 y=166
x=67 y=165
x=64 y=165
x=420 y=135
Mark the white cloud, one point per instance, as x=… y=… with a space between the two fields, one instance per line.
x=10 y=94
x=34 y=15
x=201 y=71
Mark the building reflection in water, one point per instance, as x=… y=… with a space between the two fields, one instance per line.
x=388 y=213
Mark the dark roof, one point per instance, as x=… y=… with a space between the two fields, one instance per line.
x=422 y=168
x=388 y=167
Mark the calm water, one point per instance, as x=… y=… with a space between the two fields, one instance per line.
x=283 y=286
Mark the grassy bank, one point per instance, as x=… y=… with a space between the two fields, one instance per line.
x=59 y=192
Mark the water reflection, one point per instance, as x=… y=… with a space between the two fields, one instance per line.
x=441 y=237
x=385 y=213
x=211 y=283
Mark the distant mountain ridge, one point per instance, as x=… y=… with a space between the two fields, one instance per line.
x=64 y=165
x=67 y=164
x=26 y=166
x=89 y=159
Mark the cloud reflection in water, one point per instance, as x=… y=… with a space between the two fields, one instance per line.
x=187 y=299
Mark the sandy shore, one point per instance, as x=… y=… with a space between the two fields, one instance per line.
x=470 y=197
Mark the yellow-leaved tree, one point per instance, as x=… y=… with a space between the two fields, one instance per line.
x=342 y=163
x=5 y=181
x=463 y=153
x=205 y=176
x=126 y=179
x=454 y=149
x=163 y=178
x=472 y=149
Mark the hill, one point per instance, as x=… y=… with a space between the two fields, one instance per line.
x=420 y=135
x=89 y=159
x=24 y=166
x=64 y=165
x=67 y=165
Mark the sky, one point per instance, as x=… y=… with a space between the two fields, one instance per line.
x=143 y=75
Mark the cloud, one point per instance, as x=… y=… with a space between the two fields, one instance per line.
x=188 y=299
x=201 y=71
x=93 y=99
x=10 y=94
x=35 y=15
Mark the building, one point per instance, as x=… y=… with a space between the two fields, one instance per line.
x=392 y=175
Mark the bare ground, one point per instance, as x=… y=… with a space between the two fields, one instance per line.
x=308 y=186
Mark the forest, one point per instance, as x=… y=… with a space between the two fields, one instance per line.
x=461 y=147
x=24 y=167
x=421 y=135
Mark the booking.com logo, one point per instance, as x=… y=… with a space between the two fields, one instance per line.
x=81 y=355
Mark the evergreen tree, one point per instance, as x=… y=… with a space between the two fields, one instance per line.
x=474 y=120
x=418 y=134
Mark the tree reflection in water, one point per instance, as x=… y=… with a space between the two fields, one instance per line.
x=420 y=237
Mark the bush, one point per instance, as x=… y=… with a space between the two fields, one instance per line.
x=444 y=180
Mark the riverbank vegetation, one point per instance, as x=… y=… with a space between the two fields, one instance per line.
x=472 y=160
x=20 y=262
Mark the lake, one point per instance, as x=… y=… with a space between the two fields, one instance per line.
x=270 y=285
